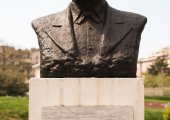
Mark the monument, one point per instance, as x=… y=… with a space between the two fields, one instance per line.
x=88 y=64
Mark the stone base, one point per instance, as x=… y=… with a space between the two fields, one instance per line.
x=86 y=99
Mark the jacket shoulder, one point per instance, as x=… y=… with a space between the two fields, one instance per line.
x=45 y=21
x=131 y=19
x=134 y=19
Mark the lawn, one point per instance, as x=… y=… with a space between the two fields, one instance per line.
x=16 y=108
x=13 y=108
x=155 y=113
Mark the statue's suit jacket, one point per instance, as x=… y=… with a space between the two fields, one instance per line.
x=117 y=56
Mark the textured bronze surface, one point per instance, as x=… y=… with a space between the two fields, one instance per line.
x=89 y=39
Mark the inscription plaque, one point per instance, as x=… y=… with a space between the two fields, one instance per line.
x=88 y=113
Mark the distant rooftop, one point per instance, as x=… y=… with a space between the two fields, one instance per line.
x=160 y=53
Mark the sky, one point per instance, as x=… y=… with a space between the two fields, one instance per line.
x=16 y=17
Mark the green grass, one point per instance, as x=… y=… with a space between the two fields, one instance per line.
x=13 y=108
x=154 y=114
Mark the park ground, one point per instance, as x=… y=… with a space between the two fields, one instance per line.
x=155 y=107
x=16 y=108
x=13 y=108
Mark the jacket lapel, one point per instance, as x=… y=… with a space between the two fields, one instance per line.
x=59 y=32
x=115 y=30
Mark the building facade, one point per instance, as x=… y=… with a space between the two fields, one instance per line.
x=19 y=60
x=145 y=63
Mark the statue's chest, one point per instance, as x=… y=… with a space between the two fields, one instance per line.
x=89 y=42
x=89 y=38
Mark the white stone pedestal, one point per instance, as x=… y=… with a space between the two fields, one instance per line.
x=86 y=99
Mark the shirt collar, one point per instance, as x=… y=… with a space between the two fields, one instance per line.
x=97 y=15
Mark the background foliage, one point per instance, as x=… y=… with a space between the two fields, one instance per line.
x=12 y=83
x=158 y=74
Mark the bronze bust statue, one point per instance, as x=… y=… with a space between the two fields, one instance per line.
x=89 y=39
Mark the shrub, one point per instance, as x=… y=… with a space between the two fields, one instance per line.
x=158 y=97
x=12 y=83
x=159 y=80
x=167 y=114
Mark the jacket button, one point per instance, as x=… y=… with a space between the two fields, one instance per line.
x=90 y=48
x=90 y=28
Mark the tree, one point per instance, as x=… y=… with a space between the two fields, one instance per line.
x=160 y=66
x=151 y=81
x=158 y=74
x=15 y=69
x=12 y=83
